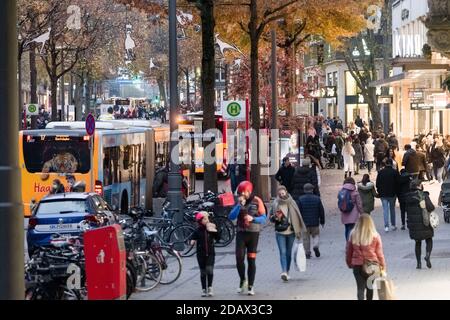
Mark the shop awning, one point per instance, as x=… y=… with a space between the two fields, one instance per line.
x=389 y=81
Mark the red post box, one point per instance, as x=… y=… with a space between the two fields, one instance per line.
x=104 y=249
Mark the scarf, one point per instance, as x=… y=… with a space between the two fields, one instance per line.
x=296 y=218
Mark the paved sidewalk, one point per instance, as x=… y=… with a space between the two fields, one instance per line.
x=327 y=277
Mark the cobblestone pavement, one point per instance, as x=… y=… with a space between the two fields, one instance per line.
x=327 y=277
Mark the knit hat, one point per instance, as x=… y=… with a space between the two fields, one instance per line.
x=308 y=188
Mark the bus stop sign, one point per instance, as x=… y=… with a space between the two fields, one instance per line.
x=90 y=125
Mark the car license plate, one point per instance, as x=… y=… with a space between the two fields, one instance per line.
x=57 y=227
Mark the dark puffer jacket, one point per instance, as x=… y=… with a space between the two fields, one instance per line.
x=311 y=209
x=302 y=176
x=417 y=230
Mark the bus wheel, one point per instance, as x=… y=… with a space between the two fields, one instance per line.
x=124 y=203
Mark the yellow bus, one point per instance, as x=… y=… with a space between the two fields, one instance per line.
x=122 y=166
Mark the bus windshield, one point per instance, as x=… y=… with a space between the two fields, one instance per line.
x=58 y=154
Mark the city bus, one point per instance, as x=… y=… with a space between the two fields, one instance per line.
x=121 y=168
x=195 y=119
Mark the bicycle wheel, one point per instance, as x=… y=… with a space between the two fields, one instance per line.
x=173 y=266
x=148 y=272
x=183 y=233
x=227 y=231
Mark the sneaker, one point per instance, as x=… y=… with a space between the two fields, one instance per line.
x=204 y=294
x=287 y=275
x=251 y=291
x=403 y=227
x=308 y=256
x=284 y=276
x=242 y=287
x=386 y=229
x=317 y=252
x=394 y=228
x=210 y=292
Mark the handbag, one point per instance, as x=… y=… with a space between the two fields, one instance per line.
x=370 y=267
x=425 y=213
x=283 y=225
x=434 y=220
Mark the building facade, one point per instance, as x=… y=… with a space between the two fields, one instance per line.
x=419 y=103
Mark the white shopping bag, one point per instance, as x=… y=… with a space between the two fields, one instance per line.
x=299 y=256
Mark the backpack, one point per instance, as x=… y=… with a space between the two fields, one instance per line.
x=345 y=202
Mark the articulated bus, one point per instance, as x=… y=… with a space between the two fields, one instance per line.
x=195 y=119
x=122 y=167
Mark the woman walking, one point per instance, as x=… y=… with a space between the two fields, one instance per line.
x=369 y=148
x=350 y=205
x=205 y=236
x=348 y=153
x=417 y=201
x=289 y=225
x=363 y=249
x=367 y=192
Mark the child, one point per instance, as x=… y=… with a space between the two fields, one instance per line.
x=204 y=236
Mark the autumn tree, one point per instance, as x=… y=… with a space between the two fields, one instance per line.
x=368 y=52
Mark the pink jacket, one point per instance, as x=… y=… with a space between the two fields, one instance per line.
x=352 y=217
x=355 y=255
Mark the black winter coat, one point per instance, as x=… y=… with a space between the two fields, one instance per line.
x=285 y=175
x=205 y=241
x=387 y=180
x=302 y=176
x=417 y=230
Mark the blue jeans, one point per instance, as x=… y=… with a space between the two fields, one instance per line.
x=285 y=244
x=388 y=206
x=348 y=228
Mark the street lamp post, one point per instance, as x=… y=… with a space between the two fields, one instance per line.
x=174 y=177
x=11 y=215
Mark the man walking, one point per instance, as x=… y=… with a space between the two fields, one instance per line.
x=411 y=161
x=313 y=214
x=387 y=181
x=285 y=174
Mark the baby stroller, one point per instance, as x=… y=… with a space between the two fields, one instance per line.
x=444 y=199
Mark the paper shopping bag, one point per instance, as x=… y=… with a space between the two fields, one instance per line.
x=386 y=290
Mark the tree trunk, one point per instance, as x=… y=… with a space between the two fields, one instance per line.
x=79 y=98
x=62 y=98
x=188 y=95
x=54 y=97
x=87 y=95
x=255 y=170
x=162 y=89
x=208 y=84
x=33 y=82
x=374 y=108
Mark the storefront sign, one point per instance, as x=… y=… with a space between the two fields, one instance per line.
x=328 y=92
x=417 y=96
x=385 y=99
x=421 y=106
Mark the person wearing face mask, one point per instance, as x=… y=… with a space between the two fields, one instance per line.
x=289 y=225
x=251 y=214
